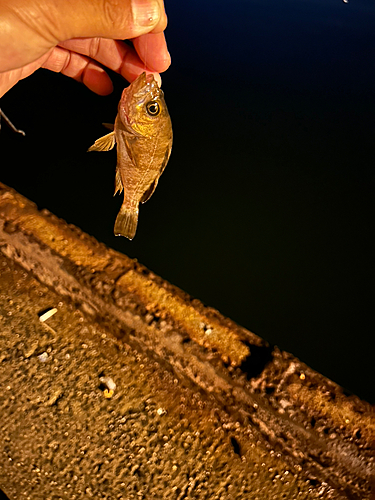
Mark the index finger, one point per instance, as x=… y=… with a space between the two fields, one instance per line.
x=152 y=49
x=122 y=58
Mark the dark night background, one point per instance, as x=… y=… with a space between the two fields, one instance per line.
x=265 y=210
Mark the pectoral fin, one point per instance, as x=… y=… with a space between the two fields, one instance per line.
x=105 y=143
x=150 y=191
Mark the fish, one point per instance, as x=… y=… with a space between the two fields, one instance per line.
x=143 y=134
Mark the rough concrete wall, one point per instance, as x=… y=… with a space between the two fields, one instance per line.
x=201 y=408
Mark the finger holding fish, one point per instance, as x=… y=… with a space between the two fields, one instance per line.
x=152 y=50
x=84 y=59
x=119 y=57
x=116 y=54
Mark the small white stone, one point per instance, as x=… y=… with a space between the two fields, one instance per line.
x=108 y=382
x=47 y=314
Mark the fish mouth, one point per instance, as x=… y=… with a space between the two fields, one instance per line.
x=142 y=89
x=145 y=84
x=143 y=79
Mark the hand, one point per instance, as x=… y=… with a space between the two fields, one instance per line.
x=77 y=37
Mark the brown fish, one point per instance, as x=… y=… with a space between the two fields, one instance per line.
x=143 y=132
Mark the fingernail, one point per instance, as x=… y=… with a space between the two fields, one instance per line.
x=145 y=12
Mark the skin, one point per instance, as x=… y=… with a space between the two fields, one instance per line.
x=79 y=38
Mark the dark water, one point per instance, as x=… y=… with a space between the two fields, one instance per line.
x=265 y=210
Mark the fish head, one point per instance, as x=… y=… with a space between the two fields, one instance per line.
x=142 y=109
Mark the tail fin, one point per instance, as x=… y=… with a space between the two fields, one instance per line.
x=126 y=222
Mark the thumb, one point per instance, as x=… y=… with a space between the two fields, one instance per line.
x=116 y=19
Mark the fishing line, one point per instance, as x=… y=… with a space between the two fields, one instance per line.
x=9 y=123
x=145 y=59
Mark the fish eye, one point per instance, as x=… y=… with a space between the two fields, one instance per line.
x=153 y=108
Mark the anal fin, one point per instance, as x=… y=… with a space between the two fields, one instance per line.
x=118 y=182
x=150 y=191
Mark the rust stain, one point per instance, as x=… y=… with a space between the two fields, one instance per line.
x=204 y=331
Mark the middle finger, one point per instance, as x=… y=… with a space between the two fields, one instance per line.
x=113 y=54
